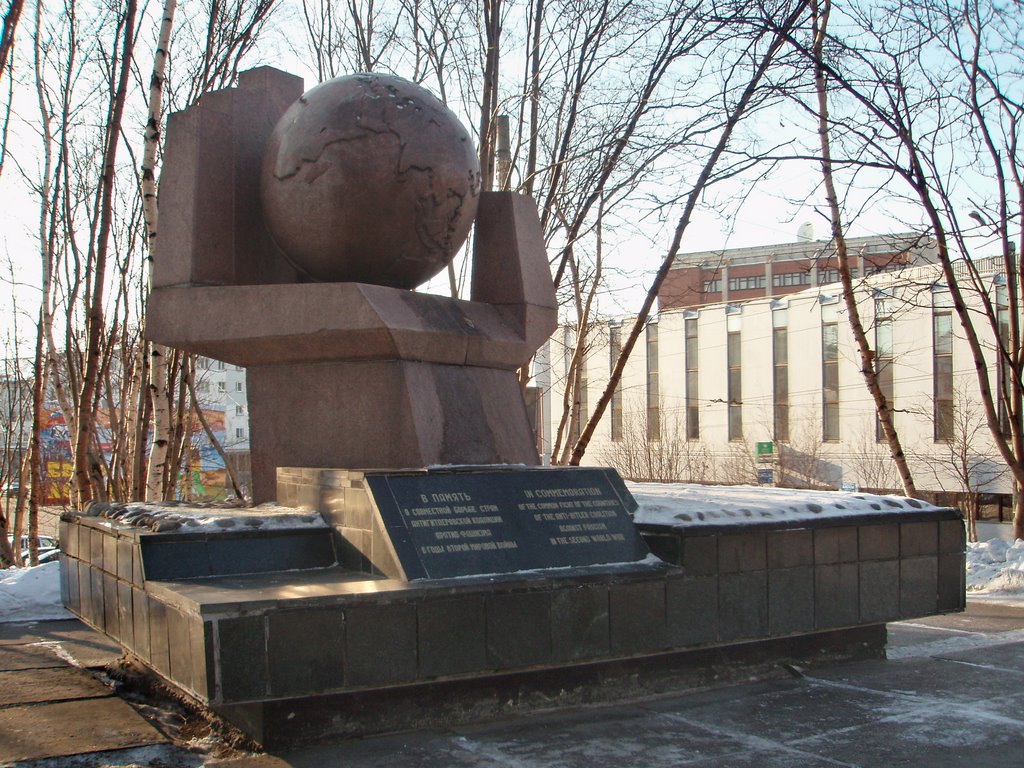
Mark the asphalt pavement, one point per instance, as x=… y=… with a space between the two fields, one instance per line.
x=950 y=693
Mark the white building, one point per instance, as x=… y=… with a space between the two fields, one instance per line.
x=704 y=386
x=221 y=383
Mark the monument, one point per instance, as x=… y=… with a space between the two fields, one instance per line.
x=369 y=186
x=418 y=566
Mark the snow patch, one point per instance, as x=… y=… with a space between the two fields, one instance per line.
x=31 y=594
x=996 y=566
x=692 y=505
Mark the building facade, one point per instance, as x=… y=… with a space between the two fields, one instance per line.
x=726 y=392
x=223 y=386
x=743 y=274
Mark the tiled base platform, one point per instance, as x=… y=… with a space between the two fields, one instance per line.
x=768 y=581
x=319 y=650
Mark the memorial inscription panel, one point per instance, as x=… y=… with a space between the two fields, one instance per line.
x=451 y=524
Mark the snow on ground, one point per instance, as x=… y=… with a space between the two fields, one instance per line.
x=995 y=571
x=31 y=594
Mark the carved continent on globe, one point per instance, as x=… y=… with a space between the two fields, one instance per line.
x=370 y=179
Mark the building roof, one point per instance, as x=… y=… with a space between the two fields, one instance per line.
x=921 y=247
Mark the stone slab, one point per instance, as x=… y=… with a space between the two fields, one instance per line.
x=1005 y=658
x=85 y=645
x=37 y=731
x=780 y=710
x=33 y=686
x=15 y=657
x=445 y=525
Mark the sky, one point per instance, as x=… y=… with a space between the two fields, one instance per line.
x=731 y=215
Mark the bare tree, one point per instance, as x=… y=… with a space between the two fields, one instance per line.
x=801 y=462
x=11 y=18
x=88 y=479
x=670 y=459
x=968 y=459
x=820 y=12
x=872 y=463
x=773 y=43
x=930 y=89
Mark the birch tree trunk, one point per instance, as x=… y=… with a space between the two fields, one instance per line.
x=820 y=13
x=158 y=352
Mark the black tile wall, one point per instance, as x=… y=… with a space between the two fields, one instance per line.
x=738 y=552
x=242 y=659
x=452 y=636
x=919 y=586
x=835 y=545
x=306 y=651
x=580 y=622
x=836 y=596
x=380 y=644
x=790 y=601
x=789 y=549
x=691 y=608
x=518 y=629
x=879 y=591
x=742 y=605
x=638 y=619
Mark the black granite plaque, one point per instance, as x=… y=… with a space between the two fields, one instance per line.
x=466 y=523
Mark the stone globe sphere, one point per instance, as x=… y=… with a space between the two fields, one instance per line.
x=369 y=178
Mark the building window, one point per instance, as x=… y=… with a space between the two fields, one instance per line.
x=221 y=366
x=221 y=386
x=692 y=393
x=711 y=286
x=577 y=387
x=653 y=390
x=203 y=363
x=240 y=433
x=581 y=397
x=615 y=405
x=832 y=275
x=830 y=369
x=791 y=279
x=942 y=364
x=239 y=410
x=734 y=375
x=1005 y=371
x=780 y=373
x=238 y=386
x=203 y=387
x=746 y=283
x=884 y=358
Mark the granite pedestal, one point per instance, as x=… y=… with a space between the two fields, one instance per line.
x=330 y=625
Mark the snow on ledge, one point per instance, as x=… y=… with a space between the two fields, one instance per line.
x=688 y=504
x=205 y=518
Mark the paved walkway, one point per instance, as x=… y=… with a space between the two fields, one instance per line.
x=951 y=694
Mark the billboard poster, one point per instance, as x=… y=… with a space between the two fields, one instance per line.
x=204 y=478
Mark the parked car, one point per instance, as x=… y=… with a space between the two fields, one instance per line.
x=47 y=556
x=48 y=549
